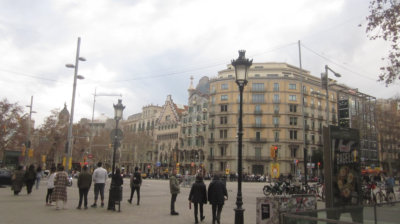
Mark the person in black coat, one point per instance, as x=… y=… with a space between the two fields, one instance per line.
x=198 y=195
x=118 y=181
x=217 y=194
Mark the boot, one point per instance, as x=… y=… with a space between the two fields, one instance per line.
x=174 y=213
x=196 y=220
x=202 y=218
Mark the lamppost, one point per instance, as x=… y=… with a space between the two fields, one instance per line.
x=118 y=109
x=28 y=142
x=326 y=79
x=242 y=66
x=71 y=119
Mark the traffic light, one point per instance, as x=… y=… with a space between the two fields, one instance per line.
x=84 y=159
x=110 y=146
x=272 y=152
x=4 y=128
x=297 y=163
x=177 y=165
x=276 y=152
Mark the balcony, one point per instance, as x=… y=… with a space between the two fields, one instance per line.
x=319 y=107
x=198 y=122
x=305 y=92
x=204 y=122
x=307 y=127
x=276 y=101
x=258 y=140
x=307 y=142
x=211 y=126
x=184 y=125
x=312 y=105
x=305 y=104
x=319 y=129
x=257 y=100
x=212 y=92
x=334 y=119
x=189 y=124
x=212 y=103
x=276 y=139
x=204 y=110
x=238 y=101
x=259 y=90
x=320 y=117
x=332 y=100
x=276 y=89
x=320 y=96
x=258 y=111
x=319 y=143
x=252 y=158
x=305 y=114
x=333 y=110
x=276 y=125
x=189 y=136
x=258 y=125
x=211 y=113
x=211 y=140
x=276 y=111
x=210 y=157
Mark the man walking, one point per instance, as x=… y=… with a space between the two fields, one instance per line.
x=174 y=189
x=99 y=179
x=136 y=182
x=217 y=194
x=84 y=183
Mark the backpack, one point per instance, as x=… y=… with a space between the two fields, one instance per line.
x=136 y=178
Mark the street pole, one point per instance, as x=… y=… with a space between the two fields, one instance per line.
x=302 y=116
x=327 y=96
x=91 y=127
x=27 y=144
x=239 y=211
x=71 y=119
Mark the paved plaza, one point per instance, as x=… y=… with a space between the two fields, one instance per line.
x=154 y=206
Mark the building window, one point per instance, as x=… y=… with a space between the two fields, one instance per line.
x=293 y=134
x=183 y=130
x=292 y=98
x=258 y=87
x=293 y=152
x=198 y=107
x=258 y=120
x=272 y=75
x=276 y=108
x=304 y=88
x=257 y=152
x=190 y=119
x=293 y=121
x=222 y=151
x=258 y=135
x=198 y=118
x=293 y=108
x=276 y=98
x=224 y=108
x=167 y=118
x=205 y=105
x=189 y=131
x=213 y=100
x=275 y=120
x=292 y=86
x=211 y=151
x=312 y=102
x=221 y=168
x=276 y=86
x=189 y=142
x=211 y=167
x=224 y=86
x=223 y=133
x=257 y=75
x=224 y=97
x=204 y=116
x=224 y=120
x=258 y=98
x=190 y=109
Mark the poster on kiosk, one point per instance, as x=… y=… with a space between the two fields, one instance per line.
x=343 y=181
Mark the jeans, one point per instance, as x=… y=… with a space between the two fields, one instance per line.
x=37 y=182
x=135 y=188
x=99 y=188
x=196 y=205
x=83 y=192
x=49 y=193
x=216 y=215
x=29 y=185
x=173 y=199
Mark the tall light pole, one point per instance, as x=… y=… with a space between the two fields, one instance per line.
x=118 y=109
x=71 y=119
x=28 y=142
x=91 y=128
x=242 y=66
x=324 y=78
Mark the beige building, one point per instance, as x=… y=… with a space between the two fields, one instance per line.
x=273 y=101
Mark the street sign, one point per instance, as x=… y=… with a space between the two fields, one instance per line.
x=158 y=164
x=116 y=132
x=90 y=156
x=312 y=165
x=227 y=171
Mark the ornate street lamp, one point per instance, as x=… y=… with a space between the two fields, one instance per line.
x=118 y=109
x=242 y=66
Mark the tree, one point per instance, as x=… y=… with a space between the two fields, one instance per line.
x=12 y=133
x=384 y=23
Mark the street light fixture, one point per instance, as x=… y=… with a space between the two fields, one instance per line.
x=118 y=109
x=327 y=91
x=242 y=66
x=71 y=119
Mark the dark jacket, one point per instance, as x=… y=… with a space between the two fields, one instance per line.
x=136 y=175
x=216 y=192
x=118 y=180
x=30 y=175
x=19 y=180
x=198 y=193
x=84 y=180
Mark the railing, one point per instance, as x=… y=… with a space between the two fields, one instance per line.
x=276 y=139
x=333 y=110
x=276 y=89
x=312 y=105
x=259 y=140
x=211 y=113
x=319 y=142
x=319 y=129
x=212 y=92
x=211 y=126
x=305 y=114
x=238 y=101
x=258 y=111
x=320 y=117
x=276 y=125
x=258 y=100
x=276 y=111
x=256 y=158
x=305 y=92
x=210 y=157
x=258 y=89
x=211 y=140
x=276 y=101
x=258 y=125
x=307 y=142
x=334 y=119
x=319 y=107
x=305 y=104
x=307 y=127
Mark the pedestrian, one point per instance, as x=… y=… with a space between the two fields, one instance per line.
x=60 y=188
x=99 y=179
x=217 y=194
x=198 y=195
x=18 y=179
x=118 y=181
x=290 y=177
x=135 y=183
x=39 y=175
x=174 y=190
x=50 y=185
x=84 y=183
x=30 y=177
x=390 y=184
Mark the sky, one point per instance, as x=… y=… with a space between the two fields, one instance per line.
x=145 y=50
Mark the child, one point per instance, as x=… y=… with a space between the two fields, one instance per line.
x=50 y=185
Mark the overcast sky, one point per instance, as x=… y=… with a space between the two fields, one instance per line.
x=148 y=49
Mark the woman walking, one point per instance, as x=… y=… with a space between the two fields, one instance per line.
x=217 y=194
x=60 y=188
x=30 y=177
x=18 y=180
x=50 y=185
x=117 y=178
x=198 y=195
x=39 y=175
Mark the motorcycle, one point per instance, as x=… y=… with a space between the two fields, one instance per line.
x=69 y=181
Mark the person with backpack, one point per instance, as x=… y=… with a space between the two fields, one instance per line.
x=136 y=182
x=217 y=194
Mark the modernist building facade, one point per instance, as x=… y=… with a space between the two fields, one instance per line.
x=273 y=101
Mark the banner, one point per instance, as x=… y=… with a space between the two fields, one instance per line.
x=275 y=173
